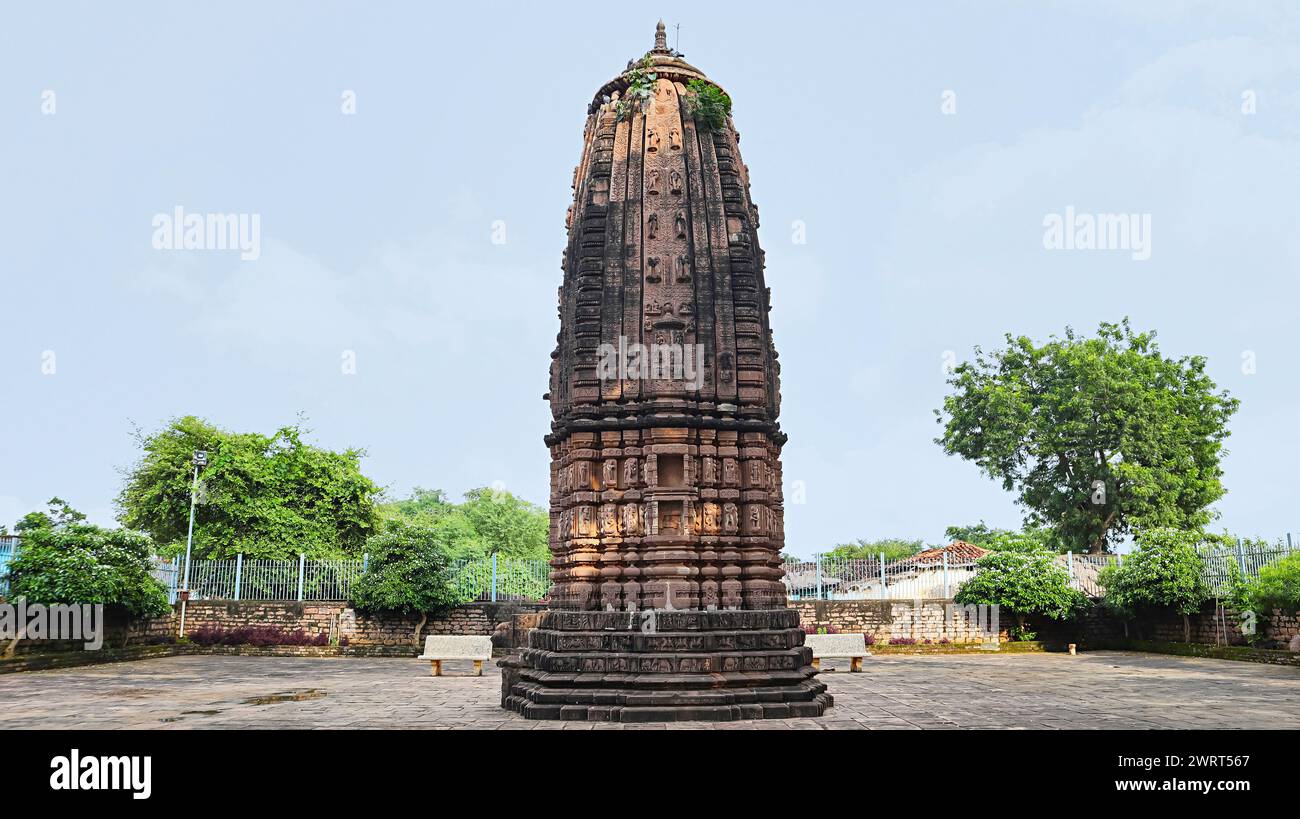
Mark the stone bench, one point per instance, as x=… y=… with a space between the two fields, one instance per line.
x=853 y=646
x=448 y=647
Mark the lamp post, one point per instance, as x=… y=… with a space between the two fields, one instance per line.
x=199 y=459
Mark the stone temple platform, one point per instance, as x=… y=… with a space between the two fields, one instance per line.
x=664 y=666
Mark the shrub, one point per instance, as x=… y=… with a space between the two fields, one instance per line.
x=707 y=104
x=408 y=573
x=1164 y=572
x=260 y=636
x=1023 y=583
x=1277 y=587
x=65 y=560
x=640 y=88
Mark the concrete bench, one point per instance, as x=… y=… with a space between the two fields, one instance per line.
x=853 y=646
x=447 y=647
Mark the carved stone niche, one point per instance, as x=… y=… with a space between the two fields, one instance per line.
x=670 y=518
x=672 y=471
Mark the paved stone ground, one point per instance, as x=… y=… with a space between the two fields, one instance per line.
x=1095 y=690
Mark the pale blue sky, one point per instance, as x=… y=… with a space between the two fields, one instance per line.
x=924 y=230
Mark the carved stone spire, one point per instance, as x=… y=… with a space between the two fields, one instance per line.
x=661 y=39
x=665 y=478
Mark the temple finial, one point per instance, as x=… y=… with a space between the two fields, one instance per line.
x=661 y=38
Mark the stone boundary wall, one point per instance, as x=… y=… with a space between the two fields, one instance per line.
x=886 y=620
x=892 y=619
x=508 y=624
x=338 y=620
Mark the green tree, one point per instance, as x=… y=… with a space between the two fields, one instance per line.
x=1164 y=572
x=63 y=559
x=424 y=504
x=1023 y=583
x=59 y=516
x=489 y=521
x=978 y=534
x=265 y=496
x=408 y=573
x=1100 y=437
x=893 y=549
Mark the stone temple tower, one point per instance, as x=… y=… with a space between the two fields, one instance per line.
x=666 y=506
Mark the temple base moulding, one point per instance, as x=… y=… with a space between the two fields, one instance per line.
x=664 y=666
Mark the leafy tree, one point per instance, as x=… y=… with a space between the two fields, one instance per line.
x=1023 y=583
x=59 y=516
x=978 y=534
x=65 y=560
x=1029 y=539
x=507 y=525
x=490 y=521
x=408 y=573
x=1164 y=572
x=893 y=549
x=265 y=496
x=1100 y=437
x=424 y=504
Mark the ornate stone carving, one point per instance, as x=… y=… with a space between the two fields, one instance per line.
x=730 y=518
x=664 y=494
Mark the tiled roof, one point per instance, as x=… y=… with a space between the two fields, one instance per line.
x=959 y=551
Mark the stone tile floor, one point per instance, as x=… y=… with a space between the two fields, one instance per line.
x=1090 y=691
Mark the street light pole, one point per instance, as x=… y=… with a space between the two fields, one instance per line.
x=200 y=459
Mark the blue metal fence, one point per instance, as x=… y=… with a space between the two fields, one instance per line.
x=8 y=550
x=489 y=579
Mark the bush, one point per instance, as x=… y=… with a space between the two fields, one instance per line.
x=707 y=104
x=1165 y=572
x=408 y=573
x=1024 y=583
x=256 y=636
x=65 y=560
x=1277 y=587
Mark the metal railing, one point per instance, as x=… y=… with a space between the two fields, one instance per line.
x=488 y=579
x=832 y=578
x=238 y=578
x=501 y=579
x=8 y=551
x=505 y=579
x=1222 y=563
x=875 y=578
